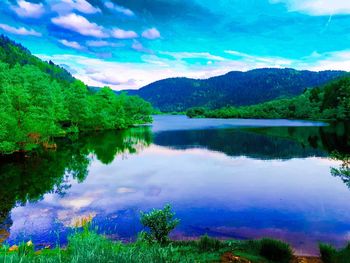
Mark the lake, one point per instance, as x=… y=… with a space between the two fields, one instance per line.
x=226 y=178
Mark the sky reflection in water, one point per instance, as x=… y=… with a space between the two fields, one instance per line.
x=214 y=187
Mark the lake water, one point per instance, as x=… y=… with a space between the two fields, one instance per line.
x=226 y=178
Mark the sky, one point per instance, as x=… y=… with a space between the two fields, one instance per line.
x=127 y=44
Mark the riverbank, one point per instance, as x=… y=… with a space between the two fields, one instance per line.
x=153 y=245
x=88 y=246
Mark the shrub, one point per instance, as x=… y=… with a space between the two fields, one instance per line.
x=159 y=223
x=205 y=243
x=328 y=253
x=275 y=250
x=196 y=112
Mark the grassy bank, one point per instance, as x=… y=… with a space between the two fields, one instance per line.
x=154 y=245
x=87 y=246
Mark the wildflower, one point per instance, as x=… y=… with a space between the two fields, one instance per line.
x=83 y=221
x=13 y=248
x=29 y=243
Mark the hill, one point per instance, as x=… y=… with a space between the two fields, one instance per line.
x=234 y=88
x=328 y=102
x=13 y=53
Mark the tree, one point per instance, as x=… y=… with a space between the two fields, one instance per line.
x=77 y=103
x=160 y=223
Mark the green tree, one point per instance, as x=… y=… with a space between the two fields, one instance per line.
x=160 y=222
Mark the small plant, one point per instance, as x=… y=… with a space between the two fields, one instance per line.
x=159 y=223
x=26 y=248
x=207 y=243
x=275 y=250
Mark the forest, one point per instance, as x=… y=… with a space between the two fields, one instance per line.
x=235 y=88
x=39 y=101
x=328 y=102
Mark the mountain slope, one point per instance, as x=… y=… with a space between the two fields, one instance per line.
x=235 y=88
x=328 y=102
x=13 y=53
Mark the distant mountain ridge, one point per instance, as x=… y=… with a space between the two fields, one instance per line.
x=235 y=88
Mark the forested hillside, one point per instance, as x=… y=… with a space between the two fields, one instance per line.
x=13 y=53
x=329 y=102
x=235 y=88
x=39 y=100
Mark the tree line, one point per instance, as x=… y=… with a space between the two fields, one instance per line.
x=35 y=107
x=329 y=102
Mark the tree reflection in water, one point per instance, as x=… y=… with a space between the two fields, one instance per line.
x=28 y=177
x=343 y=171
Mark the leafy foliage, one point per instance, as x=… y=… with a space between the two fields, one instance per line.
x=160 y=223
x=85 y=245
x=331 y=255
x=234 y=88
x=330 y=102
x=13 y=53
x=275 y=250
x=37 y=104
x=206 y=243
x=343 y=171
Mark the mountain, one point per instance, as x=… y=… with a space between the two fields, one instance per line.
x=234 y=88
x=13 y=53
x=328 y=102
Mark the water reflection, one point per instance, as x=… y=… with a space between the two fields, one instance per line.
x=343 y=170
x=227 y=181
x=27 y=178
x=264 y=142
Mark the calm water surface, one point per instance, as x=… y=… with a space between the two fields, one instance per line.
x=225 y=178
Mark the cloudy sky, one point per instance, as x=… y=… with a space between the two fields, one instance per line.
x=131 y=43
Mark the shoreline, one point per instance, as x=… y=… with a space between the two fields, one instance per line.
x=200 y=249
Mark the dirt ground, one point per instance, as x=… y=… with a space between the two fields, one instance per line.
x=307 y=260
x=229 y=257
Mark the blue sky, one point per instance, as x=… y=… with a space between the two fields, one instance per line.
x=130 y=43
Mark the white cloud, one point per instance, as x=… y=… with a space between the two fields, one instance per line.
x=137 y=45
x=100 y=43
x=79 y=24
x=20 y=31
x=71 y=44
x=123 y=34
x=27 y=9
x=110 y=79
x=119 y=9
x=121 y=75
x=151 y=33
x=276 y=62
x=337 y=60
x=82 y=6
x=186 y=55
x=317 y=7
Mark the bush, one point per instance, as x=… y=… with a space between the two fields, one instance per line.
x=159 y=223
x=205 y=243
x=196 y=112
x=275 y=250
x=330 y=255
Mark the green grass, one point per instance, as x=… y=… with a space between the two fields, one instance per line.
x=94 y=248
x=88 y=246
x=85 y=245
